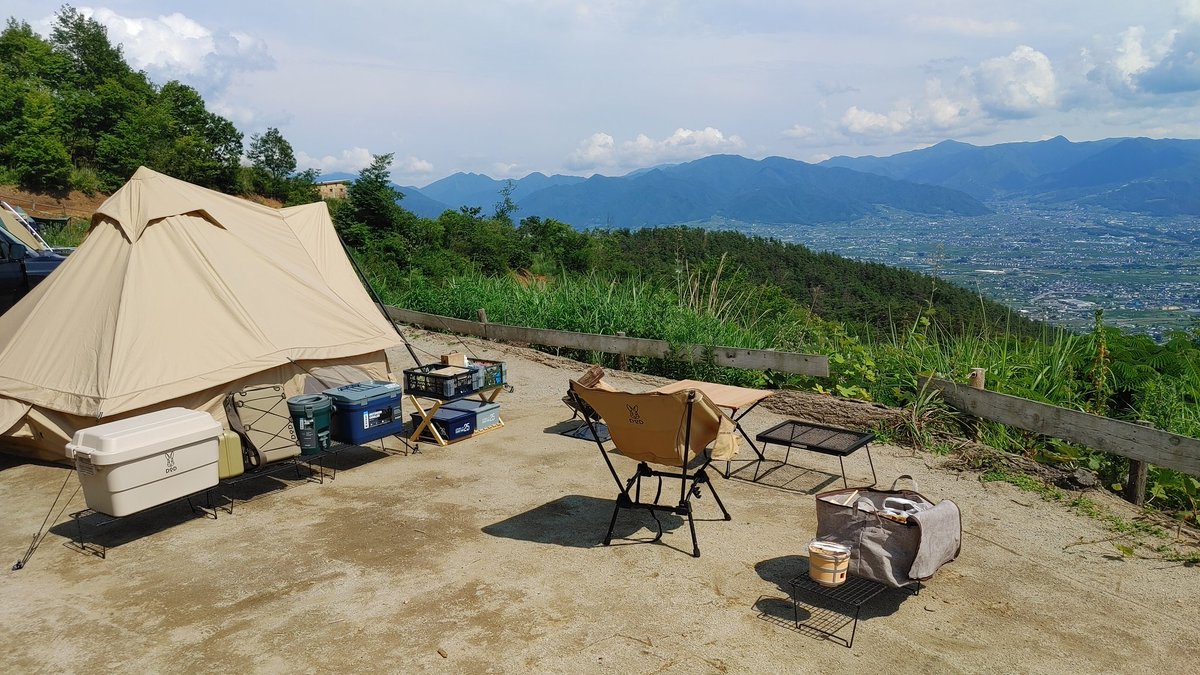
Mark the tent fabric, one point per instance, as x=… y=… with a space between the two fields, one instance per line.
x=18 y=229
x=177 y=294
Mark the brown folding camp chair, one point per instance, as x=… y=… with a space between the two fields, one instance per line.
x=671 y=430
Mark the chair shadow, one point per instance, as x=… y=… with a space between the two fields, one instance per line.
x=580 y=521
x=578 y=430
x=811 y=614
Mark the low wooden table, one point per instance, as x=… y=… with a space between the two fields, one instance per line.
x=486 y=395
x=733 y=399
x=818 y=438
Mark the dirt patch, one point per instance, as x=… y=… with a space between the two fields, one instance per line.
x=485 y=556
x=74 y=205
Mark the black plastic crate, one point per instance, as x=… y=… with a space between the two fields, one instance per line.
x=421 y=381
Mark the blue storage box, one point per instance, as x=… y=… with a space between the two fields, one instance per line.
x=486 y=415
x=451 y=424
x=366 y=411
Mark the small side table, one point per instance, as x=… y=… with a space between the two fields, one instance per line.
x=818 y=438
x=854 y=593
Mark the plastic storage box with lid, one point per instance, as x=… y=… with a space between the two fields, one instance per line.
x=366 y=411
x=451 y=424
x=133 y=464
x=486 y=415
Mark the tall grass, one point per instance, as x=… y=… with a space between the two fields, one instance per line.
x=1065 y=369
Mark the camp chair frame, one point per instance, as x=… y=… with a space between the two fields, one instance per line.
x=630 y=495
x=591 y=379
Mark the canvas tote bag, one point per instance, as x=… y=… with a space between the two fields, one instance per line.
x=882 y=548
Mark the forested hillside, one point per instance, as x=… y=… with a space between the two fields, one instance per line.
x=75 y=116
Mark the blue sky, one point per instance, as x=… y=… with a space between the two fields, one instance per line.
x=507 y=87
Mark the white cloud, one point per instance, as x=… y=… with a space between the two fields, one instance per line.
x=412 y=165
x=1018 y=85
x=867 y=123
x=831 y=88
x=505 y=170
x=799 y=132
x=1178 y=68
x=175 y=47
x=1135 y=66
x=1189 y=11
x=601 y=151
x=356 y=159
x=351 y=161
x=960 y=25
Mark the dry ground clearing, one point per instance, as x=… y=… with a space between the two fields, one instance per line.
x=485 y=557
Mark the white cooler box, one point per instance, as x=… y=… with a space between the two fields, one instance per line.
x=133 y=464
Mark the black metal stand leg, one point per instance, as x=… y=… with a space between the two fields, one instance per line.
x=854 y=627
x=687 y=506
x=716 y=497
x=842 y=464
x=874 y=479
x=612 y=524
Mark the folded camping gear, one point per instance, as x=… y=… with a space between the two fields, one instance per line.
x=896 y=537
x=261 y=416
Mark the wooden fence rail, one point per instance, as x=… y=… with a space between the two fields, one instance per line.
x=1134 y=441
x=733 y=357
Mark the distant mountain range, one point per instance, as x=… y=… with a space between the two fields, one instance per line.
x=1158 y=177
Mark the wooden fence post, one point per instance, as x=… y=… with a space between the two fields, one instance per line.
x=622 y=360
x=977 y=380
x=1135 y=485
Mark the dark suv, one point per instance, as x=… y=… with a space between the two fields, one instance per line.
x=21 y=269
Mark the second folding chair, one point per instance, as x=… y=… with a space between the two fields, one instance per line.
x=671 y=430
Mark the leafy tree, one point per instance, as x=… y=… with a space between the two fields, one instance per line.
x=206 y=148
x=555 y=246
x=272 y=161
x=373 y=200
x=138 y=140
x=506 y=206
x=39 y=160
x=84 y=41
x=302 y=188
x=25 y=55
x=98 y=89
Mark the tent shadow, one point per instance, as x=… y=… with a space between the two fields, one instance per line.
x=580 y=521
x=13 y=461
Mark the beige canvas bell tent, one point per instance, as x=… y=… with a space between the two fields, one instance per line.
x=178 y=296
x=11 y=221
